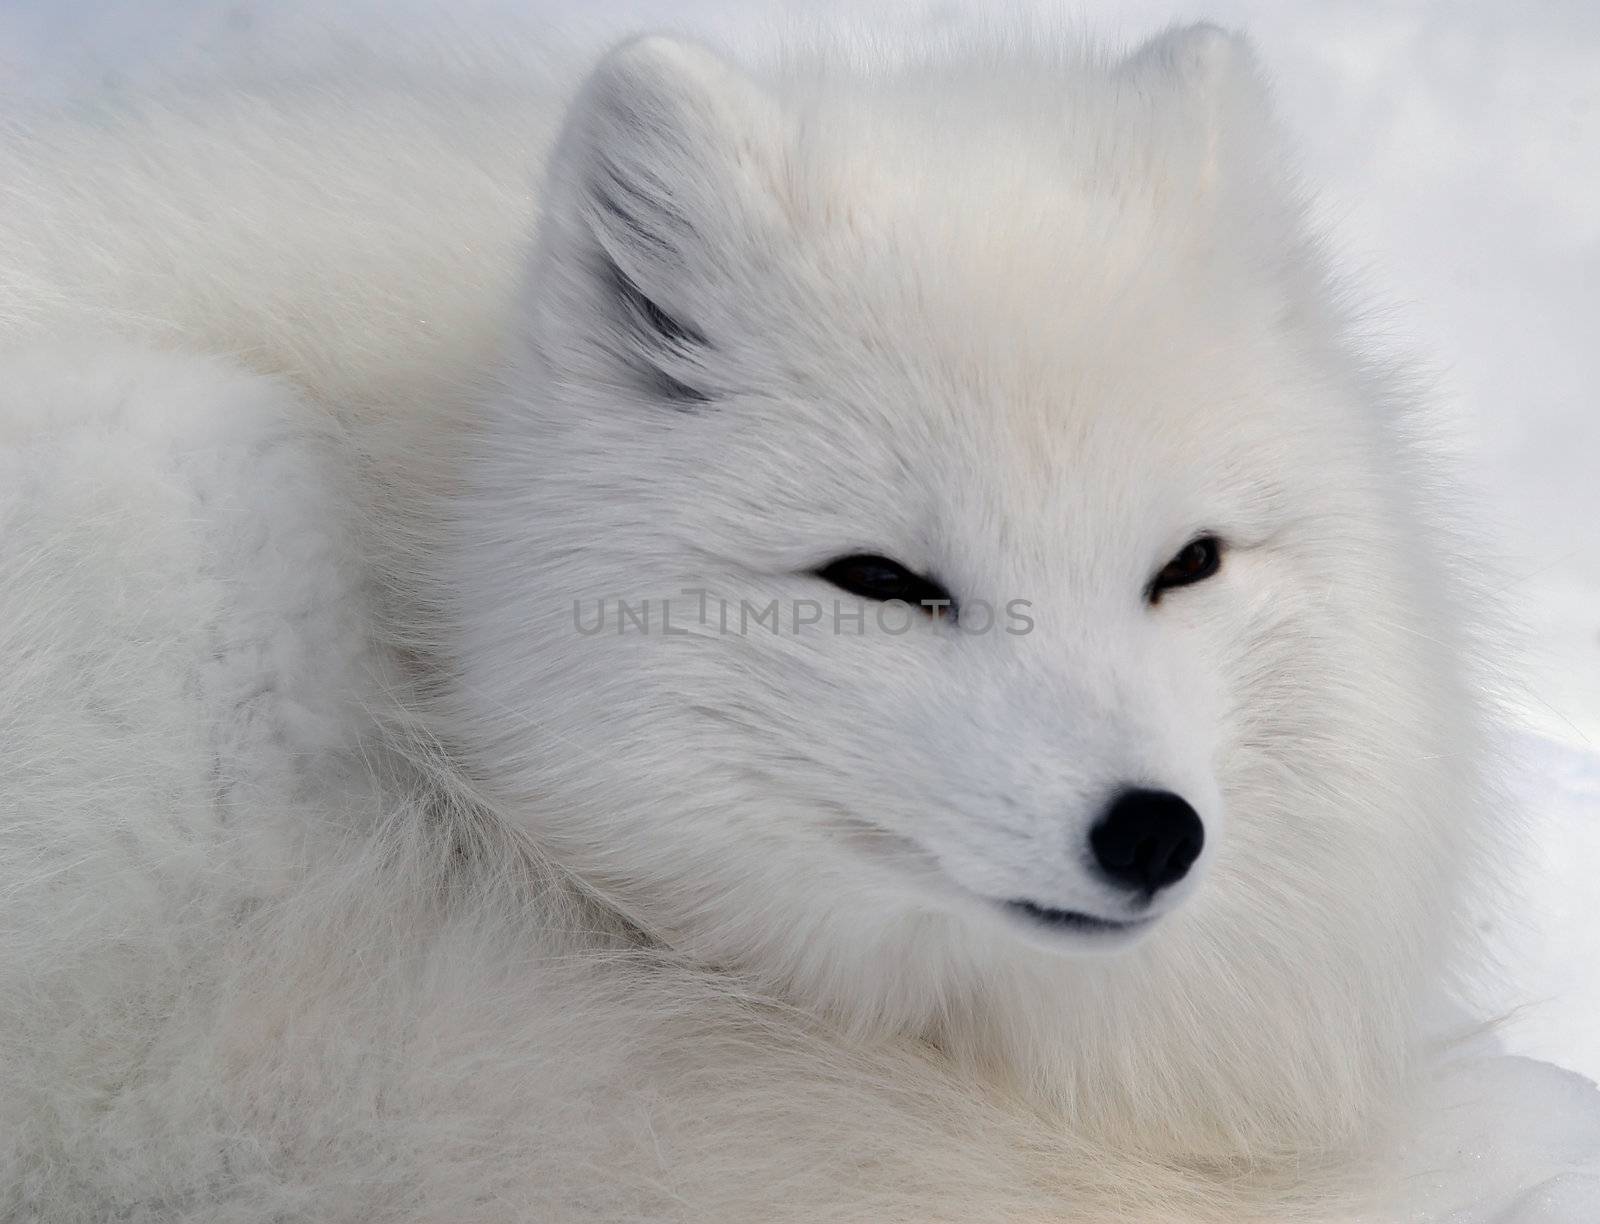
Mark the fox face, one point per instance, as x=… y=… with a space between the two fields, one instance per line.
x=930 y=534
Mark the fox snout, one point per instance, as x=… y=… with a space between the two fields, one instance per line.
x=1147 y=840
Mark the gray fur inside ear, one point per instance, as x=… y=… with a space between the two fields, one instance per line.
x=654 y=342
x=649 y=137
x=656 y=161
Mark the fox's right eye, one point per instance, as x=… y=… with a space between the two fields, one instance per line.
x=873 y=577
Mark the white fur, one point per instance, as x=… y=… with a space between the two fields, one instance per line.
x=344 y=879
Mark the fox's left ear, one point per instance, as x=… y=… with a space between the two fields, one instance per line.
x=1210 y=77
x=662 y=190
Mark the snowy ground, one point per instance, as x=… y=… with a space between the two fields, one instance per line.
x=1458 y=148
x=1550 y=948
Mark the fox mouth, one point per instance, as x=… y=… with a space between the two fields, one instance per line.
x=1047 y=924
x=1073 y=921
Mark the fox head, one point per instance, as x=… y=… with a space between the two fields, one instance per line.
x=935 y=550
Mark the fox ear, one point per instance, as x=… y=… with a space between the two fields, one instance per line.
x=1202 y=56
x=1210 y=74
x=665 y=176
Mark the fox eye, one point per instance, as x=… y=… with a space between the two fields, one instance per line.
x=1196 y=561
x=870 y=576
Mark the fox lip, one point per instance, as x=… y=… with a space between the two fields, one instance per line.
x=1073 y=921
x=1043 y=922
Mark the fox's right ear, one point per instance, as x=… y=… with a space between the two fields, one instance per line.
x=666 y=176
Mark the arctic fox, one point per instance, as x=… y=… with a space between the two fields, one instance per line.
x=848 y=638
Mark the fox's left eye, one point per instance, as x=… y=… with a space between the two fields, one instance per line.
x=1196 y=561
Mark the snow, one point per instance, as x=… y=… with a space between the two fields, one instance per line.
x=1457 y=148
x=1549 y=938
x=1520 y=1140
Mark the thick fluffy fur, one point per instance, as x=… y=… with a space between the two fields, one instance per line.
x=344 y=879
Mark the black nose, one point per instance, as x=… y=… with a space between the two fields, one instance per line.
x=1147 y=839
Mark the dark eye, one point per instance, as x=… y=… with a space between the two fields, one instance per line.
x=873 y=577
x=1196 y=561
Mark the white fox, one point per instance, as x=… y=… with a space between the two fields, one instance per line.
x=871 y=649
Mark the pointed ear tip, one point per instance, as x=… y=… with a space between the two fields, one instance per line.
x=1204 y=50
x=657 y=60
x=1208 y=39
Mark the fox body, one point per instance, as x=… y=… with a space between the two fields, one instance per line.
x=405 y=828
